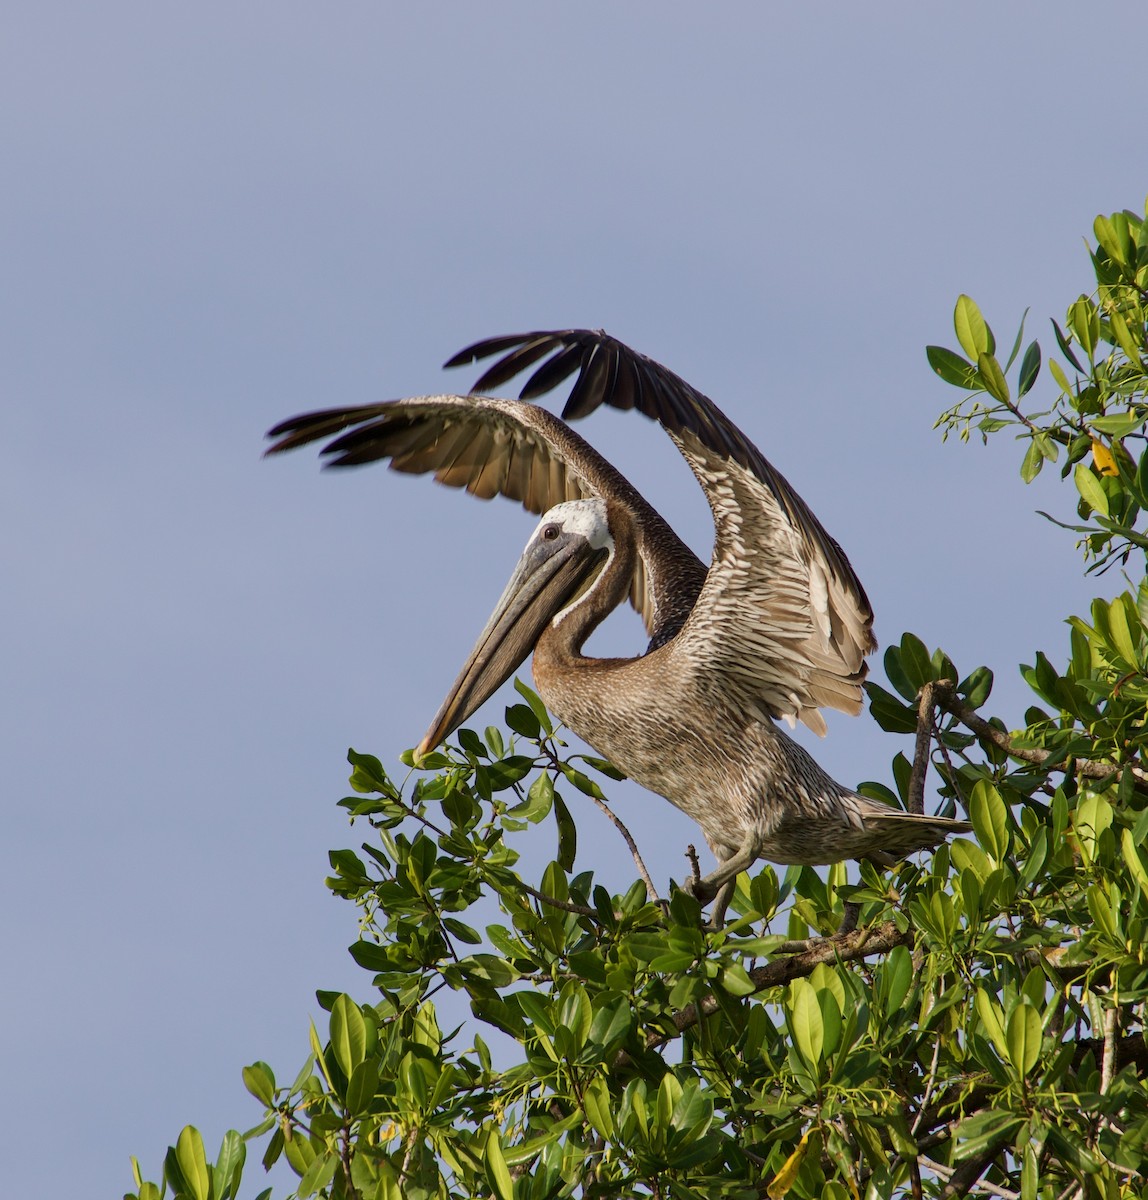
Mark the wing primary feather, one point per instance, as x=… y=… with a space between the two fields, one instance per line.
x=506 y=368
x=488 y=346
x=553 y=372
x=590 y=388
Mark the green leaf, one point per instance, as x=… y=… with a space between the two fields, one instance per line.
x=192 y=1161
x=990 y=819
x=498 y=1173
x=952 y=368
x=1031 y=464
x=988 y=1128
x=318 y=1174
x=976 y=686
x=1119 y=425
x=1066 y=350
x=1016 y=342
x=888 y=711
x=1106 y=236
x=805 y=1020
x=1124 y=337
x=1134 y=860
x=539 y=800
x=582 y=781
x=993 y=377
x=989 y=1013
x=348 y=1034
x=259 y=1080
x=522 y=719
x=1085 y=322
x=598 y=1106
x=1029 y=369
x=1124 y=629
x=567 y=834
x=362 y=1086
x=972 y=331
x=1024 y=1035
x=536 y=706
x=472 y=744
x=1061 y=379
x=915 y=661
x=1090 y=490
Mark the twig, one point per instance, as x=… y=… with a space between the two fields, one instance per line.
x=930 y=1082
x=621 y=828
x=580 y=910
x=695 y=868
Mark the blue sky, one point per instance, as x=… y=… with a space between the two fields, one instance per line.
x=216 y=216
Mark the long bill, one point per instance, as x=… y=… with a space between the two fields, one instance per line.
x=548 y=577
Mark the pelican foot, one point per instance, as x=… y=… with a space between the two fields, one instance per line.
x=718 y=885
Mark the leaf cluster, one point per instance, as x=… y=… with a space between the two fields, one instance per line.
x=1093 y=423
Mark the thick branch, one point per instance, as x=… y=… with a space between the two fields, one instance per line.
x=963 y=1179
x=968 y=1174
x=925 y=703
x=861 y=943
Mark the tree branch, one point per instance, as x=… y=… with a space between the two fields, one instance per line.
x=967 y=1176
x=925 y=705
x=946 y=697
x=949 y=1174
x=861 y=943
x=580 y=910
x=629 y=839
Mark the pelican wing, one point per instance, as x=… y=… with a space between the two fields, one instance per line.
x=790 y=601
x=773 y=623
x=513 y=449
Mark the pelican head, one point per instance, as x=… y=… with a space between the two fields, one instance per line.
x=565 y=555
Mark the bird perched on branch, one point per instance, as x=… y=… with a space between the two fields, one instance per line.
x=777 y=627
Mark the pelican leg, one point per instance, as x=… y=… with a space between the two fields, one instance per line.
x=721 y=903
x=718 y=885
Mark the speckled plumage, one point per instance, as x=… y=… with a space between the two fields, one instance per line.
x=675 y=727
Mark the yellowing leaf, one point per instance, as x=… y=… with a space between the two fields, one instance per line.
x=1104 y=460
x=787 y=1176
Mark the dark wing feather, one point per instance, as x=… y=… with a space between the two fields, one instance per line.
x=611 y=373
x=514 y=449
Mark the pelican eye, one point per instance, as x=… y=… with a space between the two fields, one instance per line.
x=550 y=532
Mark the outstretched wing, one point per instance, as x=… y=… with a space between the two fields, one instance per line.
x=783 y=584
x=772 y=626
x=514 y=449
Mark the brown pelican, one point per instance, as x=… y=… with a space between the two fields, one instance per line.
x=778 y=627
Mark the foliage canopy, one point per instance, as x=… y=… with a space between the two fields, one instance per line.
x=980 y=1031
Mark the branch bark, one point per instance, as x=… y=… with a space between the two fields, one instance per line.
x=926 y=701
